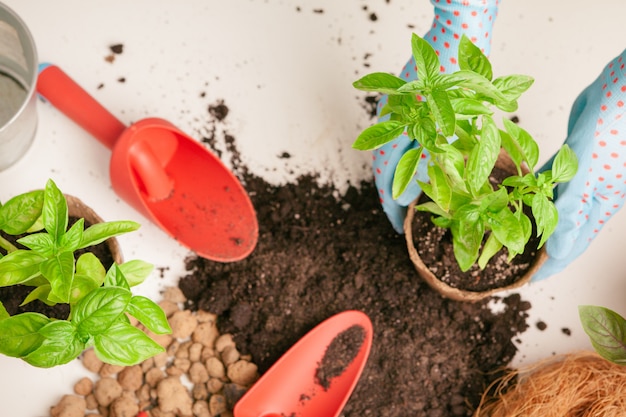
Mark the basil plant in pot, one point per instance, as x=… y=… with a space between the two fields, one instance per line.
x=451 y=116
x=40 y=251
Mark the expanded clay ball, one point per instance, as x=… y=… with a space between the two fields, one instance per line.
x=83 y=387
x=91 y=361
x=130 y=378
x=183 y=323
x=106 y=390
x=124 y=406
x=174 y=397
x=69 y=406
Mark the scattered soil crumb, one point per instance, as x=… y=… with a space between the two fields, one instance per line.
x=541 y=325
x=218 y=110
x=117 y=49
x=566 y=331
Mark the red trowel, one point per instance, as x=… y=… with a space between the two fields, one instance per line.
x=167 y=176
x=292 y=387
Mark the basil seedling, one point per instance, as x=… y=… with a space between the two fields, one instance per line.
x=451 y=116
x=100 y=301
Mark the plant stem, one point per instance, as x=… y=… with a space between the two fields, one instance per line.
x=5 y=244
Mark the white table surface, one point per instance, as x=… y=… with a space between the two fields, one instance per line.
x=286 y=76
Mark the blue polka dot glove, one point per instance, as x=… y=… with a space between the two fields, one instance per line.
x=453 y=18
x=597 y=134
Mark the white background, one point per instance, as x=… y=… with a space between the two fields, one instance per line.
x=286 y=76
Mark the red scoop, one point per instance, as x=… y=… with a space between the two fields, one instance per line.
x=290 y=386
x=166 y=175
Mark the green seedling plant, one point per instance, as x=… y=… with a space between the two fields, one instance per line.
x=100 y=300
x=451 y=116
x=606 y=330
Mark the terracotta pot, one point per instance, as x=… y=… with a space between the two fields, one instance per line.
x=505 y=163
x=76 y=208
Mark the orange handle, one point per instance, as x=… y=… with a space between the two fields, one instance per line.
x=62 y=92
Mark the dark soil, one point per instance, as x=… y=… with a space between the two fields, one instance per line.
x=319 y=255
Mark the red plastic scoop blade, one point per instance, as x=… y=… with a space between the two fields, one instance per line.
x=207 y=209
x=291 y=388
x=166 y=175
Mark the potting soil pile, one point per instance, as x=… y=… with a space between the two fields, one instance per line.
x=320 y=253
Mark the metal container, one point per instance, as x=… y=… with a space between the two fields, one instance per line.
x=18 y=83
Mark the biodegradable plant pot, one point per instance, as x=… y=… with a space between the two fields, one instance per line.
x=504 y=163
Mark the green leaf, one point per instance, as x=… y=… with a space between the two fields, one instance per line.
x=412 y=88
x=71 y=240
x=82 y=285
x=89 y=265
x=54 y=212
x=125 y=345
x=115 y=278
x=425 y=57
x=41 y=243
x=60 y=346
x=513 y=86
x=483 y=157
x=471 y=58
x=466 y=240
x=424 y=131
x=19 y=266
x=40 y=293
x=59 y=271
x=546 y=216
x=520 y=145
x=405 y=105
x=136 y=271
x=377 y=135
x=490 y=248
x=405 y=170
x=439 y=190
x=607 y=331
x=20 y=213
x=4 y=314
x=507 y=229
x=452 y=162
x=99 y=309
x=379 y=82
x=565 y=165
x=528 y=180
x=468 y=108
x=480 y=85
x=441 y=107
x=149 y=314
x=431 y=207
x=99 y=232
x=19 y=335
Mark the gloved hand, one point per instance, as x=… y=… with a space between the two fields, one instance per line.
x=597 y=134
x=475 y=19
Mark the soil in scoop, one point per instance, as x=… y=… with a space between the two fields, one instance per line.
x=339 y=355
x=319 y=254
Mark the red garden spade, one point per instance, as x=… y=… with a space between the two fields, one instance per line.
x=166 y=175
x=317 y=375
